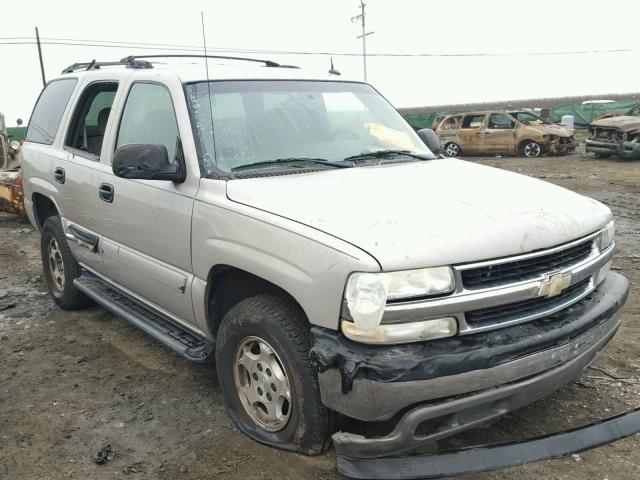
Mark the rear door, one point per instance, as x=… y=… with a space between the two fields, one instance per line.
x=500 y=134
x=472 y=133
x=84 y=144
x=146 y=224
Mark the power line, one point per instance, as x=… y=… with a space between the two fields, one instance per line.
x=177 y=47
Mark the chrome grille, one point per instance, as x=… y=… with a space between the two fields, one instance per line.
x=497 y=274
x=501 y=313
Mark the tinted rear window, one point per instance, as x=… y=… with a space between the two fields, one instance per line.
x=47 y=115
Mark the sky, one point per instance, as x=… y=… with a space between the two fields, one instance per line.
x=508 y=30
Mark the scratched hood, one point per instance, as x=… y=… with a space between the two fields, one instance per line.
x=625 y=123
x=552 y=129
x=427 y=213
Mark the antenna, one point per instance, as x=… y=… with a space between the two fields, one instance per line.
x=333 y=71
x=206 y=63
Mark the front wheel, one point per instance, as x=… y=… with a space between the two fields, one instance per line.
x=452 y=149
x=531 y=149
x=264 y=371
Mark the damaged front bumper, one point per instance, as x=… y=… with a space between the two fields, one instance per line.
x=432 y=390
x=562 y=146
x=622 y=149
x=11 y=194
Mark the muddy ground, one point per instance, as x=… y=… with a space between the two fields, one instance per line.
x=72 y=383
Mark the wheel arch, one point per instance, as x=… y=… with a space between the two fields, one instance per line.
x=228 y=285
x=43 y=208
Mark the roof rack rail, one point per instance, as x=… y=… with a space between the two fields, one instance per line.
x=135 y=61
x=130 y=62
x=267 y=63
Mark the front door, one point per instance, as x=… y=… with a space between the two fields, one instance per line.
x=146 y=224
x=471 y=133
x=500 y=134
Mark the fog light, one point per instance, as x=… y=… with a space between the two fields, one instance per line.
x=394 y=333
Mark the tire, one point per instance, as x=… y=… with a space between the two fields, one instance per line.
x=60 y=267
x=246 y=370
x=531 y=149
x=452 y=149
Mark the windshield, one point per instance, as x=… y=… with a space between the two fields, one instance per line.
x=528 y=117
x=635 y=111
x=258 y=122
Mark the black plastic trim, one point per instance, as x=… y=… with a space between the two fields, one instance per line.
x=493 y=457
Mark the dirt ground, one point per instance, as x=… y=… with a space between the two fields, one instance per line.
x=72 y=383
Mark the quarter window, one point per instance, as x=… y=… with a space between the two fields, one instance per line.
x=47 y=115
x=149 y=118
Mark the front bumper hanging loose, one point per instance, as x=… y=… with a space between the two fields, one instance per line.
x=494 y=457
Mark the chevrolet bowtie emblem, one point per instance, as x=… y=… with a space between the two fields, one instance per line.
x=554 y=284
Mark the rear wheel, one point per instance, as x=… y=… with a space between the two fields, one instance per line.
x=531 y=149
x=452 y=149
x=60 y=267
x=264 y=371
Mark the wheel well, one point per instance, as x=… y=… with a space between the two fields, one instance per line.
x=43 y=208
x=228 y=286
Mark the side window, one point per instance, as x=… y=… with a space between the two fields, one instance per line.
x=46 y=116
x=451 y=123
x=149 y=118
x=500 y=120
x=473 y=121
x=89 y=121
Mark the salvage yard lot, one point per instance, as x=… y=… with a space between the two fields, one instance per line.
x=72 y=383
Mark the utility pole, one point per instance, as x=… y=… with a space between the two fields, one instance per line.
x=44 y=80
x=361 y=18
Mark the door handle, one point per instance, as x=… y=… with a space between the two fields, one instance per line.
x=105 y=192
x=58 y=174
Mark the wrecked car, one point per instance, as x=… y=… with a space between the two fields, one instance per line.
x=503 y=132
x=296 y=230
x=616 y=135
x=11 y=195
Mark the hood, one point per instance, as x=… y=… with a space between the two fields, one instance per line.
x=551 y=129
x=625 y=123
x=429 y=213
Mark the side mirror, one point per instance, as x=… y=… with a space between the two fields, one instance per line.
x=430 y=139
x=146 y=162
x=19 y=121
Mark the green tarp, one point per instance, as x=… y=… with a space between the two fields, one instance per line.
x=16 y=133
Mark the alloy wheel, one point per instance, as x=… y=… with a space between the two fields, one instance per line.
x=56 y=264
x=262 y=384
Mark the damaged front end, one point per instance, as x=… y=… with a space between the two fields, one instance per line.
x=403 y=397
x=619 y=135
x=559 y=145
x=11 y=193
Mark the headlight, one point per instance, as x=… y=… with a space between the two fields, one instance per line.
x=367 y=293
x=606 y=236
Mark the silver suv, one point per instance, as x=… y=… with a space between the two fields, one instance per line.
x=298 y=232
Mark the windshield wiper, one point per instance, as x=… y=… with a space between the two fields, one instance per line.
x=388 y=154
x=317 y=161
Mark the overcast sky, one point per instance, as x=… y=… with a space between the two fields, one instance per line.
x=400 y=26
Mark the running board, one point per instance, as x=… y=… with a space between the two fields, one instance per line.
x=177 y=338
